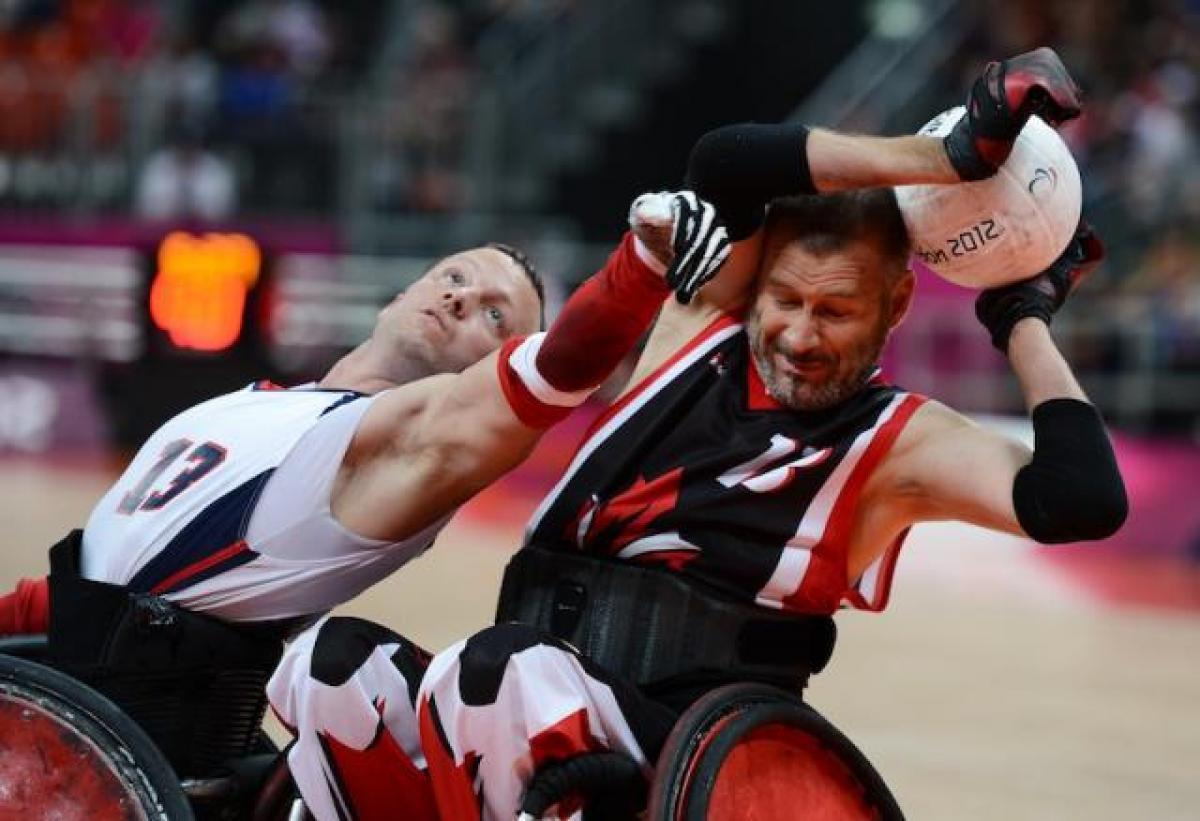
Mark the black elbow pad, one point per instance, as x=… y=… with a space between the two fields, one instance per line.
x=1072 y=488
x=740 y=168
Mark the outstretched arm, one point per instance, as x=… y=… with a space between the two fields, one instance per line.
x=741 y=168
x=437 y=442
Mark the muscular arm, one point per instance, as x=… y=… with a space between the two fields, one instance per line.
x=934 y=472
x=1068 y=488
x=425 y=448
x=1040 y=368
x=741 y=168
x=840 y=162
x=437 y=442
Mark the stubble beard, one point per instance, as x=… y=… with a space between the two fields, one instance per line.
x=797 y=393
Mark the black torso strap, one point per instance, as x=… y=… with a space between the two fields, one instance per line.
x=657 y=628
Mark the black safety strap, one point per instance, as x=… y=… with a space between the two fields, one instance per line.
x=654 y=626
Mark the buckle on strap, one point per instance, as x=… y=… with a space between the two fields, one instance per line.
x=652 y=625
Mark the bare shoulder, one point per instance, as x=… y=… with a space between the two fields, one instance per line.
x=931 y=420
x=934 y=431
x=393 y=413
x=936 y=426
x=944 y=465
x=900 y=471
x=424 y=448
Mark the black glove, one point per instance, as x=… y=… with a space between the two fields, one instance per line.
x=999 y=104
x=1000 y=308
x=700 y=242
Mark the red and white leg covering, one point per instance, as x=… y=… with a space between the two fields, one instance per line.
x=496 y=707
x=346 y=689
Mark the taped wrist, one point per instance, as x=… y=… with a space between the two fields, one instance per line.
x=548 y=374
x=1072 y=488
x=741 y=168
x=1000 y=309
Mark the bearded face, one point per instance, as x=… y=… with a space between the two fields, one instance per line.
x=813 y=379
x=820 y=321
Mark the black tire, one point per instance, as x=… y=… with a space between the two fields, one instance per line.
x=47 y=716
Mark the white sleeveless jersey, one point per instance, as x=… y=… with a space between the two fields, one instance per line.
x=225 y=510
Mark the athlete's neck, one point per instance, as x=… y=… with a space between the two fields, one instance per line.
x=362 y=371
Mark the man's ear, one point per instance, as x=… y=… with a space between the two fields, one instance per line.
x=902 y=295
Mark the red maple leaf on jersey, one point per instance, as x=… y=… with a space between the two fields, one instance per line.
x=612 y=524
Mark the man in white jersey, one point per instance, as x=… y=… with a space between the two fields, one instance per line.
x=251 y=514
x=765 y=468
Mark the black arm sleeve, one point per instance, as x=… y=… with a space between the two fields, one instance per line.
x=1072 y=489
x=740 y=168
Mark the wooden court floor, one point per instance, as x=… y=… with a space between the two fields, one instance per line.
x=992 y=688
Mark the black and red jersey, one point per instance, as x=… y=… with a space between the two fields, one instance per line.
x=700 y=470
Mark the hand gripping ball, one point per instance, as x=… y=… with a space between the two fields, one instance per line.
x=1008 y=227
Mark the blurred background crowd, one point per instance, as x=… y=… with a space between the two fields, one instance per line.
x=352 y=140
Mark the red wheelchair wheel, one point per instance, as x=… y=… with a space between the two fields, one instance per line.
x=690 y=737
x=750 y=752
x=68 y=752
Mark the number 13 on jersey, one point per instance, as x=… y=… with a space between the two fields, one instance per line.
x=201 y=461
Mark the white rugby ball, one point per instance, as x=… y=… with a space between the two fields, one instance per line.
x=1008 y=227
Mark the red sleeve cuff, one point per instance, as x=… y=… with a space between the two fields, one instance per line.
x=528 y=408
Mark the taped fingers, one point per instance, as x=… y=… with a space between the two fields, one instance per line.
x=652 y=209
x=701 y=245
x=706 y=268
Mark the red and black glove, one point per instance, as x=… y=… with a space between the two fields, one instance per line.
x=999 y=104
x=999 y=309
